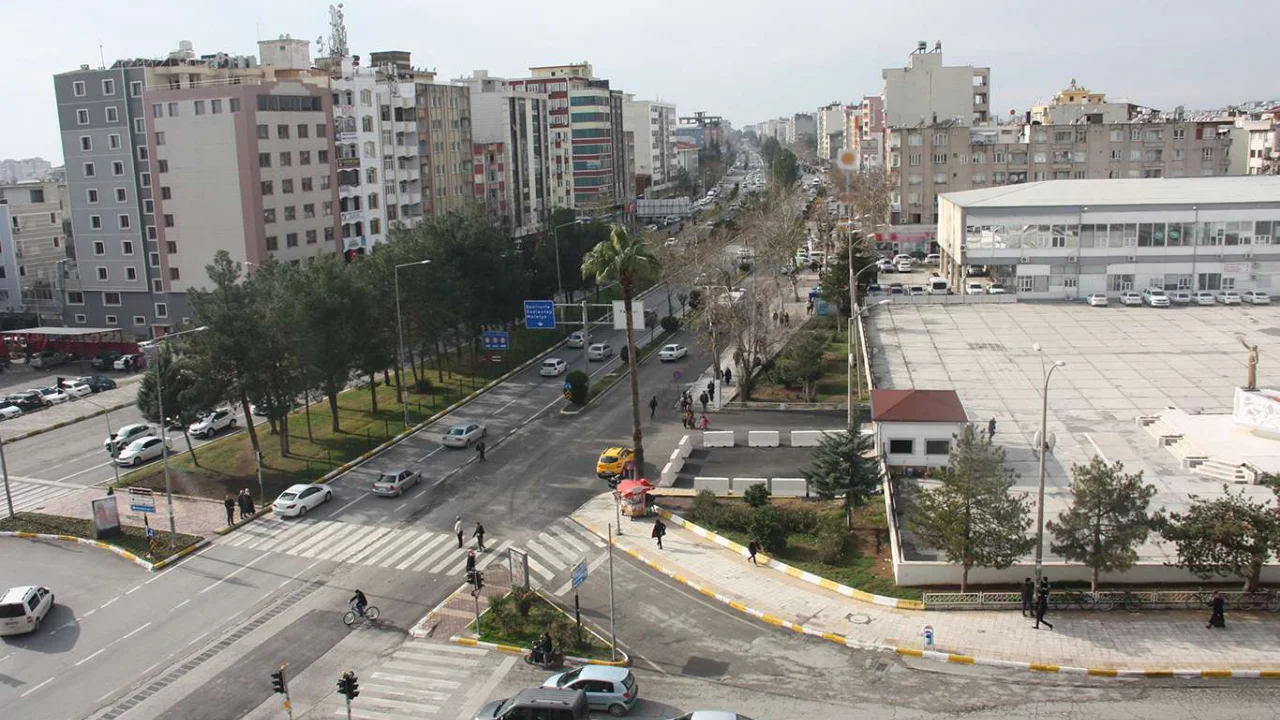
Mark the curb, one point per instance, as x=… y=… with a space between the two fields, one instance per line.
x=856 y=594
x=264 y=510
x=150 y=567
x=73 y=421
x=513 y=650
x=934 y=655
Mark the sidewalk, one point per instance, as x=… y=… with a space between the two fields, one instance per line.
x=191 y=516
x=73 y=411
x=1157 y=643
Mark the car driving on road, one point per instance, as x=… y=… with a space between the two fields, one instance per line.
x=578 y=339
x=124 y=436
x=463 y=435
x=22 y=609
x=141 y=450
x=97 y=383
x=213 y=423
x=553 y=367
x=613 y=461
x=599 y=351
x=296 y=500
x=395 y=482
x=672 y=352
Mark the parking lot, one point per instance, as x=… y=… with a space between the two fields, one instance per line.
x=1121 y=363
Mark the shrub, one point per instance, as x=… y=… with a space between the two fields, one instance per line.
x=799 y=520
x=523 y=599
x=577 y=387
x=695 y=299
x=670 y=323
x=623 y=354
x=765 y=524
x=705 y=508
x=832 y=538
x=422 y=386
x=735 y=516
x=756 y=496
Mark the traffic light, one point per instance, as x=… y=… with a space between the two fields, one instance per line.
x=278 y=681
x=347 y=685
x=475 y=578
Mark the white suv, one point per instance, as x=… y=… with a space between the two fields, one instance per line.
x=22 y=609
x=1155 y=297
x=213 y=423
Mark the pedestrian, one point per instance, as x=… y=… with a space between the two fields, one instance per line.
x=659 y=529
x=471 y=561
x=457 y=529
x=991 y=429
x=688 y=418
x=230 y=505
x=775 y=317
x=480 y=450
x=1028 y=597
x=808 y=308
x=653 y=407
x=244 y=509
x=1218 y=606
x=248 y=502
x=704 y=422
x=728 y=376
x=704 y=400
x=1042 y=604
x=711 y=388
x=479 y=536
x=753 y=547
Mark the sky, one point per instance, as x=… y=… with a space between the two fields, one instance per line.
x=746 y=60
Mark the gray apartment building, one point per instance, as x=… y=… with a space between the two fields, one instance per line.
x=40 y=250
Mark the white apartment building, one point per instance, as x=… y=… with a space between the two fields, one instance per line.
x=830 y=122
x=654 y=125
x=1255 y=144
x=10 y=289
x=358 y=134
x=926 y=92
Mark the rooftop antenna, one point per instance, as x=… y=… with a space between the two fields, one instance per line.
x=102 y=58
x=337 y=32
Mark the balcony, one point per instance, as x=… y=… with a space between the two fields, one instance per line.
x=348 y=163
x=350 y=216
x=346 y=136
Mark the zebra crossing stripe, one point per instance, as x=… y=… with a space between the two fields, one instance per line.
x=408 y=548
x=252 y=533
x=569 y=556
x=422 y=551
x=440 y=552
x=344 y=542
x=537 y=567
x=369 y=544
x=444 y=561
x=545 y=554
x=395 y=548
x=493 y=555
x=292 y=536
x=315 y=540
x=567 y=538
x=583 y=534
x=376 y=689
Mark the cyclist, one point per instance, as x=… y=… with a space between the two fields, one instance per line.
x=359 y=601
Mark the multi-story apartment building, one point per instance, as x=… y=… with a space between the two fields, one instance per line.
x=714 y=128
x=1255 y=143
x=803 y=125
x=511 y=136
x=926 y=92
x=830 y=122
x=36 y=213
x=693 y=135
x=10 y=289
x=1078 y=104
x=869 y=144
x=16 y=171
x=654 y=125
x=358 y=133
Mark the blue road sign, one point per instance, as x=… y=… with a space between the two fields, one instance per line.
x=579 y=573
x=540 y=314
x=495 y=340
x=142 y=508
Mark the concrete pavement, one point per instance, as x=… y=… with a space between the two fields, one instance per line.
x=1107 y=644
x=73 y=411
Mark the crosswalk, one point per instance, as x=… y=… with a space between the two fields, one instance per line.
x=419 y=679
x=554 y=551
x=31 y=494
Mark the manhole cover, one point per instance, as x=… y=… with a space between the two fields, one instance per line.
x=705 y=667
x=858 y=618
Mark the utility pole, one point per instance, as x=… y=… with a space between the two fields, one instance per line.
x=8 y=497
x=613 y=631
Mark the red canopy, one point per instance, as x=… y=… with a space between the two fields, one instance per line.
x=627 y=488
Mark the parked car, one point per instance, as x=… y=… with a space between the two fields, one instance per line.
x=1097 y=300
x=578 y=339
x=97 y=383
x=1180 y=297
x=975 y=288
x=130 y=362
x=75 y=390
x=9 y=411
x=885 y=266
x=712 y=715
x=537 y=703
x=1229 y=297
x=672 y=352
x=213 y=423
x=22 y=609
x=553 y=367
x=105 y=360
x=915 y=290
x=47 y=359
x=600 y=351
x=608 y=688
x=1155 y=297
x=996 y=289
x=394 y=483
x=53 y=396
x=903 y=266
x=1204 y=297
x=124 y=436
x=933 y=259
x=1256 y=297
x=26 y=400
x=463 y=435
x=148 y=447
x=1130 y=297
x=296 y=500
x=613 y=461
x=651 y=227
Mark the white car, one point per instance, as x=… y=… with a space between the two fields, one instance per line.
x=76 y=390
x=395 y=482
x=672 y=352
x=975 y=288
x=600 y=351
x=1097 y=300
x=23 y=608
x=463 y=435
x=712 y=715
x=53 y=396
x=903 y=266
x=1129 y=297
x=148 y=447
x=553 y=367
x=213 y=423
x=298 y=499
x=1256 y=297
x=902 y=257
x=1204 y=297
x=885 y=266
x=1180 y=297
x=1155 y=297
x=915 y=290
x=1226 y=297
x=125 y=435
x=996 y=289
x=8 y=411
x=933 y=259
x=578 y=339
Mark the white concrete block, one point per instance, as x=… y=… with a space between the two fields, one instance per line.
x=788 y=487
x=809 y=438
x=685 y=446
x=717 y=438
x=740 y=485
x=718 y=485
x=668 y=477
x=762 y=438
x=677 y=460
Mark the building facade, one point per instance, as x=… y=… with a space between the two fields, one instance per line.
x=1255 y=143
x=1066 y=240
x=27 y=170
x=830 y=122
x=714 y=128
x=36 y=215
x=358 y=132
x=926 y=92
x=654 y=125
x=10 y=289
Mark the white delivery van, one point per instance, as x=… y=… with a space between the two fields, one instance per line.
x=939 y=286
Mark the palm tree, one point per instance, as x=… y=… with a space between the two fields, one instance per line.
x=623 y=258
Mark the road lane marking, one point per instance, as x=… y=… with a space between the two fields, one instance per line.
x=100 y=651
x=105 y=604
x=401 y=506
x=6 y=657
x=133 y=589
x=46 y=682
x=184 y=602
x=295 y=576
x=433 y=452
x=135 y=632
x=353 y=502
x=91 y=612
x=86 y=470
x=1097 y=449
x=504 y=407
x=229 y=575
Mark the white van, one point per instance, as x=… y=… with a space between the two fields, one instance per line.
x=22 y=609
x=939 y=286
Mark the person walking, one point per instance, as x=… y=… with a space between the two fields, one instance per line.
x=248 y=502
x=479 y=536
x=471 y=561
x=653 y=407
x=704 y=422
x=1028 y=598
x=1217 y=610
x=704 y=400
x=480 y=450
x=659 y=529
x=728 y=376
x=1042 y=604
x=244 y=510
x=230 y=505
x=753 y=547
x=688 y=418
x=991 y=429
x=457 y=529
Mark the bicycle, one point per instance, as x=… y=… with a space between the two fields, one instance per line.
x=1199 y=599
x=370 y=613
x=1267 y=600
x=1078 y=599
x=1129 y=600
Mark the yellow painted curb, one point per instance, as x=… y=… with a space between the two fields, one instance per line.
x=121 y=552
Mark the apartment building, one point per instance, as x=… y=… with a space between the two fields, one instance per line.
x=653 y=124
x=714 y=128
x=26 y=170
x=804 y=125
x=1255 y=143
x=35 y=217
x=926 y=92
x=830 y=122
x=358 y=133
x=869 y=143
x=511 y=147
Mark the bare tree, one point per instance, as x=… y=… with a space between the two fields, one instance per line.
x=868 y=192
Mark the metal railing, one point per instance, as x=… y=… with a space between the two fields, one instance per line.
x=1107 y=600
x=768 y=405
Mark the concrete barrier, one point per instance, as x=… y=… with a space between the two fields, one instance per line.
x=740 y=485
x=676 y=460
x=717 y=485
x=668 y=477
x=717 y=438
x=685 y=446
x=789 y=487
x=762 y=438
x=809 y=438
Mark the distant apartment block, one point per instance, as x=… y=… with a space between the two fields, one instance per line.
x=35 y=218
x=654 y=125
x=29 y=169
x=358 y=133
x=1255 y=143
x=830 y=122
x=926 y=92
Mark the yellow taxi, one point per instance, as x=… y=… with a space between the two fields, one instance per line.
x=613 y=462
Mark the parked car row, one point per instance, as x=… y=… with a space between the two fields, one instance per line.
x=1156 y=297
x=24 y=401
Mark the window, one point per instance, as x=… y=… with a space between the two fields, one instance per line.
x=311 y=237
x=1206 y=153
x=145 y=179
x=937 y=447
x=122 y=195
x=91 y=195
x=290 y=213
x=913 y=159
x=306 y=184
x=151 y=232
x=108 y=87
x=286 y=159
x=199 y=107
x=268 y=187
x=324 y=182
x=77 y=88
x=939 y=158
x=102 y=273
x=95 y=222
x=322 y=156
x=215 y=106
x=264 y=160
x=139 y=125
x=157 y=110
x=90 y=170
x=286 y=186
x=173 y=109
x=139 y=320
x=112 y=320
x=153 y=259
x=117 y=168
x=75 y=297
x=113 y=141
x=914 y=139
x=308 y=211
x=86 y=143
x=99 y=247
x=327 y=208
x=143 y=152
x=131 y=274
x=162 y=310
x=122 y=221
x=940 y=178
x=375 y=226
x=174 y=274
x=304 y=156
x=272 y=243
x=291 y=240
x=157 y=285
x=135 y=88
x=165 y=193
x=303 y=131
x=171 y=247
x=159 y=138
x=282 y=132
x=168 y=220
x=902 y=447
x=322 y=130
x=264 y=132
x=235 y=105
x=1179 y=134
x=269 y=216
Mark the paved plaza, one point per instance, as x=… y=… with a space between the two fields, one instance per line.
x=1121 y=363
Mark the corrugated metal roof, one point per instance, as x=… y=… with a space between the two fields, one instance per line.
x=1099 y=193
x=917 y=406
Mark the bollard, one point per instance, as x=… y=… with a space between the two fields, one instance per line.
x=928 y=637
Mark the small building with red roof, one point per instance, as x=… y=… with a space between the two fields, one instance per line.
x=915 y=428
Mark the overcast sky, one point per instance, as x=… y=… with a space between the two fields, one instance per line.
x=747 y=60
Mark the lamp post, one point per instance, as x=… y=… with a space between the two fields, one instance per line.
x=404 y=395
x=1043 y=439
x=555 y=237
x=854 y=314
x=4 y=470
x=115 y=467
x=164 y=430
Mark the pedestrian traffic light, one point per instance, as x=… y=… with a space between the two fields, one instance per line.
x=347 y=685
x=475 y=579
x=278 y=681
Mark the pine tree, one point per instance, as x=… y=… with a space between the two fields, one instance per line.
x=972 y=517
x=1107 y=519
x=1229 y=536
x=845 y=463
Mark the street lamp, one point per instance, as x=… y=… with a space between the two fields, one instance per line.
x=115 y=467
x=404 y=395
x=555 y=237
x=1042 y=438
x=164 y=429
x=854 y=314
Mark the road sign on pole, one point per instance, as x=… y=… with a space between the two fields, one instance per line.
x=495 y=340
x=579 y=573
x=142 y=500
x=540 y=314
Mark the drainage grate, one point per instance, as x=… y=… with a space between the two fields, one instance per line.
x=125 y=705
x=705 y=667
x=998 y=347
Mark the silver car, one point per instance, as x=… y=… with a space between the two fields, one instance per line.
x=394 y=483
x=463 y=435
x=600 y=351
x=607 y=688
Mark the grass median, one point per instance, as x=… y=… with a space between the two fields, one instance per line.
x=132 y=538
x=521 y=616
